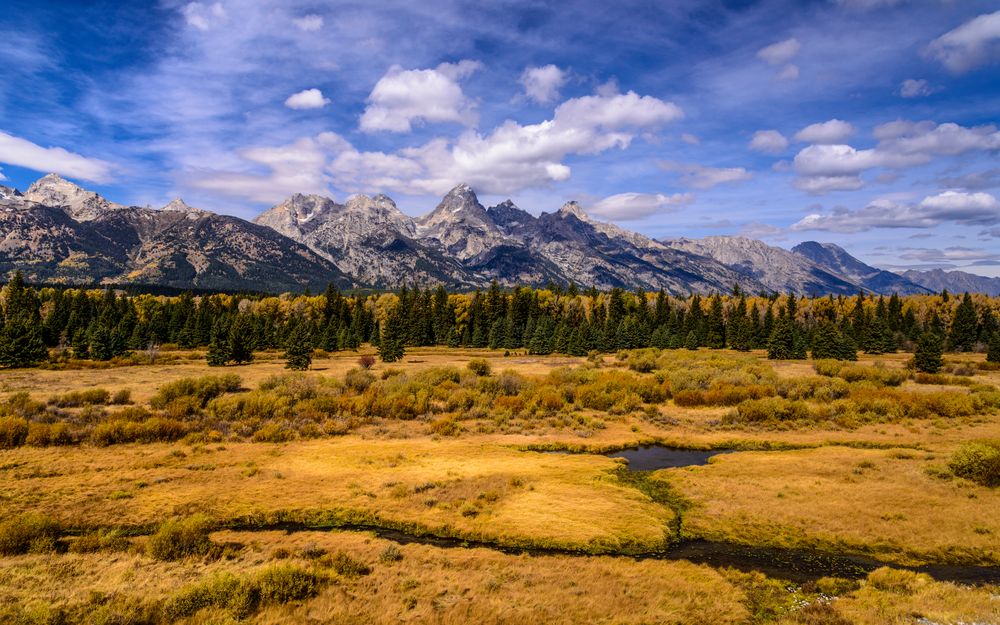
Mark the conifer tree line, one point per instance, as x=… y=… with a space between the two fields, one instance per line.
x=102 y=324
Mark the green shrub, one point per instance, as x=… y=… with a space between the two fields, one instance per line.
x=274 y=433
x=21 y=404
x=179 y=538
x=345 y=565
x=479 y=366
x=13 y=432
x=75 y=399
x=772 y=409
x=122 y=397
x=45 y=434
x=203 y=389
x=358 y=380
x=216 y=591
x=28 y=533
x=153 y=429
x=283 y=583
x=100 y=540
x=978 y=461
x=897 y=581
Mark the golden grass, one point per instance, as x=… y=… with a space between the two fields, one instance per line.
x=480 y=490
x=871 y=501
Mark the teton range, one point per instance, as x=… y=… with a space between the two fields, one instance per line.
x=58 y=232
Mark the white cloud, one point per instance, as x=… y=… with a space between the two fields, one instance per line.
x=309 y=23
x=307 y=99
x=974 y=43
x=202 y=16
x=625 y=206
x=770 y=141
x=868 y=5
x=402 y=97
x=24 y=153
x=832 y=131
x=542 y=84
x=781 y=52
x=510 y=158
x=902 y=144
x=972 y=209
x=789 y=72
x=2 y=177
x=690 y=139
x=701 y=177
x=914 y=88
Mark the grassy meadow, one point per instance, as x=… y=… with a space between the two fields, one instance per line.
x=177 y=492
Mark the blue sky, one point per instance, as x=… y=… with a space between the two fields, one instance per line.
x=868 y=123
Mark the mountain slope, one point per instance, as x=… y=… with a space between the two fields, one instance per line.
x=835 y=259
x=938 y=280
x=368 y=238
x=776 y=268
x=61 y=233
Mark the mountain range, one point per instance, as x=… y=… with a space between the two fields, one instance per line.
x=58 y=232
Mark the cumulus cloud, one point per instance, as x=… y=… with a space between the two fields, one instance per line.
x=781 y=52
x=770 y=141
x=832 y=131
x=203 y=16
x=701 y=177
x=823 y=168
x=542 y=84
x=24 y=153
x=402 y=97
x=626 y=206
x=974 y=43
x=915 y=88
x=976 y=209
x=690 y=139
x=307 y=99
x=789 y=72
x=868 y=5
x=510 y=158
x=309 y=23
x=986 y=179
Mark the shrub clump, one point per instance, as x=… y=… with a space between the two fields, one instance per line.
x=29 y=533
x=282 y=583
x=479 y=366
x=201 y=389
x=179 y=538
x=978 y=461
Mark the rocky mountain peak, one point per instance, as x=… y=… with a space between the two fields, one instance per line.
x=573 y=208
x=180 y=206
x=80 y=204
x=9 y=193
x=506 y=214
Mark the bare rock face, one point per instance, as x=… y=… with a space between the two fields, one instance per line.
x=836 y=260
x=461 y=224
x=937 y=280
x=776 y=268
x=80 y=204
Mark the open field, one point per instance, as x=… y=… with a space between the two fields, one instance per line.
x=859 y=461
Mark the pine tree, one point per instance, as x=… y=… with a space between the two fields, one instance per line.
x=299 y=348
x=218 y=346
x=101 y=347
x=390 y=345
x=241 y=340
x=927 y=357
x=829 y=342
x=21 y=344
x=715 y=336
x=993 y=350
x=964 y=331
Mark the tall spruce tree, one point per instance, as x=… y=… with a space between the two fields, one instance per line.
x=964 y=331
x=928 y=356
x=299 y=348
x=390 y=345
x=241 y=340
x=993 y=348
x=218 y=346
